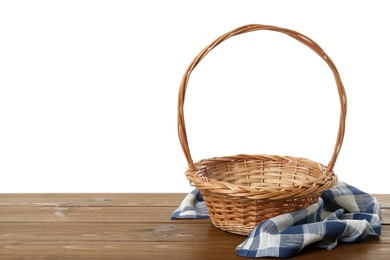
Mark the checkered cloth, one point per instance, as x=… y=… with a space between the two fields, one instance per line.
x=343 y=213
x=193 y=206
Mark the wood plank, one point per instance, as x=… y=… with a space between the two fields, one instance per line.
x=382 y=198
x=385 y=216
x=130 y=232
x=171 y=250
x=384 y=202
x=91 y=199
x=88 y=214
x=122 y=250
x=107 y=199
x=100 y=214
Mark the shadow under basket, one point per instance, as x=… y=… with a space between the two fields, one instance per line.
x=243 y=190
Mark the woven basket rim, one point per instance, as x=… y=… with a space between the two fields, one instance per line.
x=325 y=181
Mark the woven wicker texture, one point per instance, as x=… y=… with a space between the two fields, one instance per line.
x=243 y=190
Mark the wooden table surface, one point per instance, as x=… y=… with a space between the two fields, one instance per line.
x=135 y=226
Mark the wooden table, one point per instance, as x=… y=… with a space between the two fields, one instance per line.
x=135 y=226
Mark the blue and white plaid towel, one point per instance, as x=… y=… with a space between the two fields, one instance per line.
x=343 y=213
x=193 y=206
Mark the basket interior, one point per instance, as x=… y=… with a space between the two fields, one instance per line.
x=260 y=172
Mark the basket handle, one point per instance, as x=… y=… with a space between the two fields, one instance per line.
x=249 y=28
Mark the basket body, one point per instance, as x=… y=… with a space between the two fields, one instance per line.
x=243 y=190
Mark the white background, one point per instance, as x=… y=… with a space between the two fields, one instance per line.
x=88 y=90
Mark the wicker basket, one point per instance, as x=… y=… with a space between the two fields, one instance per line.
x=243 y=190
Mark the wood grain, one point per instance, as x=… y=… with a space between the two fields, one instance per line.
x=92 y=199
x=169 y=250
x=135 y=226
x=85 y=214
